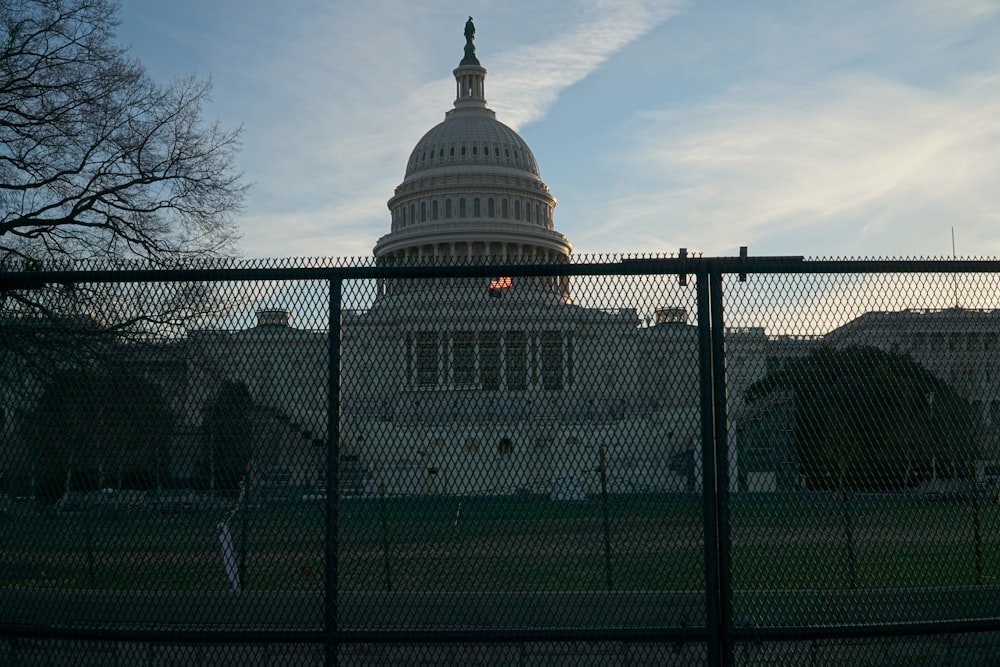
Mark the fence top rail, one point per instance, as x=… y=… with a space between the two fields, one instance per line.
x=625 y=266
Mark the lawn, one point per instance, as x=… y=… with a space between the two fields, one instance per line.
x=507 y=544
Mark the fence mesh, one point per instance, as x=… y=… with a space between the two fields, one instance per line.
x=518 y=450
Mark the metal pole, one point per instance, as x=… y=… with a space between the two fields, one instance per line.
x=607 y=522
x=385 y=538
x=722 y=459
x=332 y=585
x=712 y=618
x=976 y=523
x=244 y=525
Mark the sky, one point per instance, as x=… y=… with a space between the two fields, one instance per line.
x=795 y=127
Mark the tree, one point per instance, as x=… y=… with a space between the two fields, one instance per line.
x=93 y=429
x=868 y=419
x=97 y=160
x=103 y=167
x=228 y=432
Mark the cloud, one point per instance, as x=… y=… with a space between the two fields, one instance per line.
x=357 y=108
x=883 y=163
x=531 y=78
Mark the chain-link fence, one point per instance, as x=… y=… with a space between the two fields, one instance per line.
x=618 y=461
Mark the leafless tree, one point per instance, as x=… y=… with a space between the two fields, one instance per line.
x=100 y=167
x=97 y=161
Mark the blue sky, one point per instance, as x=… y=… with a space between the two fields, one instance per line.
x=805 y=127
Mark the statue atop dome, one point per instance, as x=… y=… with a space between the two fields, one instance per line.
x=470 y=48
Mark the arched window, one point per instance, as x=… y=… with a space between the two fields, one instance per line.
x=504 y=210
x=475 y=150
x=463 y=150
x=461 y=207
x=476 y=211
x=447 y=208
x=517 y=209
x=423 y=211
x=413 y=212
x=491 y=207
x=434 y=210
x=451 y=151
x=527 y=212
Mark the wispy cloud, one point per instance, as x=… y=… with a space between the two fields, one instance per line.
x=881 y=162
x=530 y=78
x=340 y=155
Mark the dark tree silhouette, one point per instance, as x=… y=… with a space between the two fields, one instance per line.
x=92 y=429
x=228 y=431
x=869 y=419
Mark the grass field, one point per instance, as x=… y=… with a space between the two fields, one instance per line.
x=509 y=544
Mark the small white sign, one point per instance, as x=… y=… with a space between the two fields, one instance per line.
x=228 y=556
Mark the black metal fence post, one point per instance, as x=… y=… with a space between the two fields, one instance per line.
x=385 y=537
x=708 y=472
x=722 y=465
x=603 y=469
x=332 y=584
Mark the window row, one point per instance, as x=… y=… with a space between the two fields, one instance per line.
x=448 y=208
x=490 y=360
x=457 y=151
x=954 y=342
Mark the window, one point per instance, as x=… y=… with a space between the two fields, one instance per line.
x=517 y=209
x=461 y=207
x=463 y=358
x=463 y=150
x=476 y=210
x=451 y=152
x=423 y=211
x=427 y=359
x=569 y=359
x=516 y=345
x=504 y=211
x=489 y=360
x=434 y=210
x=475 y=150
x=505 y=447
x=527 y=212
x=447 y=208
x=551 y=360
x=491 y=207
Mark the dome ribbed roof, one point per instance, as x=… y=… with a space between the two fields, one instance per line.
x=471 y=137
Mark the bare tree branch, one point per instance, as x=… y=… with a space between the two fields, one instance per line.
x=96 y=160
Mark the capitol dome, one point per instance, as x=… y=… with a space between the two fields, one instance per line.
x=466 y=140
x=472 y=190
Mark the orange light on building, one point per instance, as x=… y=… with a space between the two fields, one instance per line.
x=503 y=282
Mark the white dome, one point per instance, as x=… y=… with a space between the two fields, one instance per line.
x=472 y=190
x=470 y=138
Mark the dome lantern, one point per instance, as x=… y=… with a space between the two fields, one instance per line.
x=470 y=76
